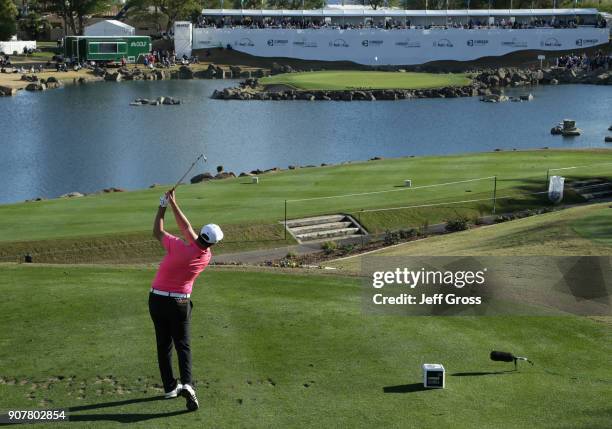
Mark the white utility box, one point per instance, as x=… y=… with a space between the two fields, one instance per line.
x=434 y=376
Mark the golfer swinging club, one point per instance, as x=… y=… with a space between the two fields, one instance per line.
x=169 y=301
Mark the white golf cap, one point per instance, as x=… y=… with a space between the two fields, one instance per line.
x=211 y=233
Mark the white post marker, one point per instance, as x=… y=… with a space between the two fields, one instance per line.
x=434 y=376
x=541 y=58
x=555 y=189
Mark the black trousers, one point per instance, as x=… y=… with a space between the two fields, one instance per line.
x=172 y=320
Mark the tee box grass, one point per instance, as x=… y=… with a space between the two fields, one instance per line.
x=278 y=350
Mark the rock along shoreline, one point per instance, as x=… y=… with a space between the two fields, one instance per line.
x=486 y=83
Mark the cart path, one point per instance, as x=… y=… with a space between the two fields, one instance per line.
x=261 y=256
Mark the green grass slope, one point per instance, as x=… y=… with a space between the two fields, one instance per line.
x=341 y=80
x=578 y=231
x=276 y=350
x=250 y=214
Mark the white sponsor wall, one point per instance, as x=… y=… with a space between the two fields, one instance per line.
x=17 y=46
x=395 y=47
x=183 y=38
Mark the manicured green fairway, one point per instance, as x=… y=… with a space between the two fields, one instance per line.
x=250 y=214
x=278 y=350
x=576 y=231
x=340 y=80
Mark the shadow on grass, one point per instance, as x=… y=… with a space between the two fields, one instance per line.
x=480 y=373
x=120 y=417
x=405 y=388
x=115 y=417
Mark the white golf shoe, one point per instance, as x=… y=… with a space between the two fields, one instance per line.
x=174 y=393
x=189 y=394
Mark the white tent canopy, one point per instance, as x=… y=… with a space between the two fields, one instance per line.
x=109 y=27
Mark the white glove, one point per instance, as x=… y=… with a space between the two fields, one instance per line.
x=163 y=201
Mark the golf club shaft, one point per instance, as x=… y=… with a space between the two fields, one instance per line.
x=187 y=172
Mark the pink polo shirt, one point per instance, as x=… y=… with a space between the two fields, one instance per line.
x=181 y=265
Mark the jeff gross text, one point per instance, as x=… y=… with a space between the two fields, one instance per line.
x=433 y=280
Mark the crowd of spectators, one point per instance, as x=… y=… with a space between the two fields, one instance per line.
x=5 y=60
x=167 y=58
x=597 y=61
x=310 y=23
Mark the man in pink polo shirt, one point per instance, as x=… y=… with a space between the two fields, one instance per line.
x=169 y=301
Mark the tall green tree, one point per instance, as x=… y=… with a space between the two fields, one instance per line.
x=295 y=4
x=378 y=4
x=35 y=26
x=73 y=12
x=8 y=15
x=166 y=10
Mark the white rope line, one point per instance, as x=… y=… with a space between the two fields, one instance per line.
x=392 y=190
x=579 y=166
x=450 y=203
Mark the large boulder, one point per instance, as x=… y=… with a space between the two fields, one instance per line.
x=249 y=83
x=346 y=96
x=99 y=72
x=603 y=79
x=224 y=175
x=538 y=75
x=113 y=77
x=29 y=78
x=201 y=177
x=385 y=95
x=278 y=69
x=185 y=72
x=36 y=87
x=493 y=80
x=169 y=101
x=112 y=190
x=212 y=72
x=568 y=76
x=53 y=85
x=361 y=96
x=6 y=91
x=72 y=195
x=494 y=98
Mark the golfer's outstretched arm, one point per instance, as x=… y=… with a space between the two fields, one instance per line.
x=181 y=220
x=158 y=224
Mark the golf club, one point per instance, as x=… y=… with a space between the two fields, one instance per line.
x=187 y=172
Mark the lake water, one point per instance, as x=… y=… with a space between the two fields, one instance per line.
x=85 y=138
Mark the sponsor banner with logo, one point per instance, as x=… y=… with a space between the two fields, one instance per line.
x=394 y=47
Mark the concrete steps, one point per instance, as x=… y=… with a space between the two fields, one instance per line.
x=593 y=189
x=324 y=228
x=321 y=227
x=314 y=220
